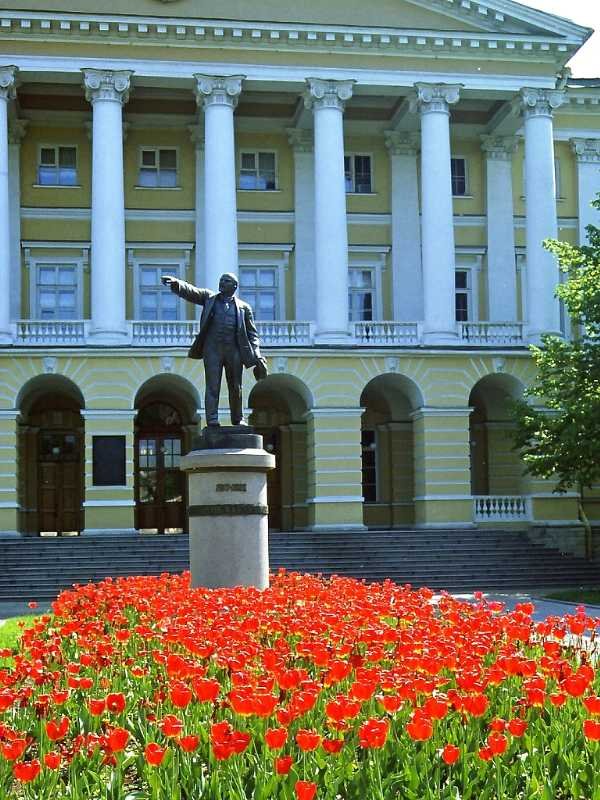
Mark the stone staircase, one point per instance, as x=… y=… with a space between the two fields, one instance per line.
x=458 y=560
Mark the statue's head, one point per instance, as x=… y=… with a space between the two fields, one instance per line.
x=228 y=283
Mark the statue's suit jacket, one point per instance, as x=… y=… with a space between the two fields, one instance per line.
x=246 y=333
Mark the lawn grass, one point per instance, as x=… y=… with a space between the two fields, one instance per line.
x=10 y=633
x=586 y=596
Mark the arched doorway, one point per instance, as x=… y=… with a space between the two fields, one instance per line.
x=496 y=468
x=387 y=443
x=164 y=426
x=50 y=458
x=279 y=404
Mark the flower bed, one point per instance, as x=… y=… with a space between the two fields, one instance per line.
x=143 y=688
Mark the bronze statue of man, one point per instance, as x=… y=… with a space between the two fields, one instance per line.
x=227 y=340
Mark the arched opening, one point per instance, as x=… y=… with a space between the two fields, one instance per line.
x=164 y=426
x=387 y=442
x=496 y=468
x=50 y=457
x=279 y=404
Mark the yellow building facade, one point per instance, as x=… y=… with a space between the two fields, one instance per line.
x=381 y=178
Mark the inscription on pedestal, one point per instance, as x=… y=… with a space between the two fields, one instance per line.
x=231 y=487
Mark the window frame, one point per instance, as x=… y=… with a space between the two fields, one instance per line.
x=157 y=148
x=467 y=193
x=245 y=151
x=56 y=147
x=352 y=155
x=178 y=268
x=373 y=258
x=35 y=262
x=262 y=264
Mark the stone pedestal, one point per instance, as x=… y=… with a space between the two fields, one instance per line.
x=227 y=470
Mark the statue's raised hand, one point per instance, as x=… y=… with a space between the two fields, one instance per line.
x=171 y=281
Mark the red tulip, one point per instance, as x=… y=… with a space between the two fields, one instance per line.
x=13 y=749
x=180 y=695
x=27 y=771
x=497 y=743
x=171 y=725
x=57 y=730
x=592 y=704
x=591 y=729
x=308 y=740
x=117 y=739
x=276 y=738
x=283 y=765
x=154 y=754
x=419 y=728
x=206 y=690
x=332 y=746
x=188 y=743
x=450 y=754
x=517 y=727
x=96 y=706
x=305 y=790
x=373 y=733
x=115 y=702
x=52 y=760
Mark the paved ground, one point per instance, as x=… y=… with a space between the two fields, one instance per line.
x=543 y=608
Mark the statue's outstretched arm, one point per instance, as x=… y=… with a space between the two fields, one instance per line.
x=186 y=291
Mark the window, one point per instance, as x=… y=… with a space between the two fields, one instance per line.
x=56 y=291
x=360 y=294
x=462 y=294
x=156 y=302
x=357 y=169
x=257 y=171
x=458 y=170
x=158 y=168
x=369 y=466
x=57 y=166
x=258 y=286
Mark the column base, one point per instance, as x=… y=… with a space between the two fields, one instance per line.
x=440 y=337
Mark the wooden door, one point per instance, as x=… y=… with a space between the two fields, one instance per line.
x=272 y=443
x=60 y=484
x=161 y=485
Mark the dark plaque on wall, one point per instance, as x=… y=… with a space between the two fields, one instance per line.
x=108 y=453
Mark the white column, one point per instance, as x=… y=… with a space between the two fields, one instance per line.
x=501 y=261
x=107 y=91
x=541 y=222
x=219 y=96
x=16 y=132
x=437 y=227
x=587 y=154
x=407 y=273
x=8 y=77
x=304 y=222
x=327 y=99
x=200 y=238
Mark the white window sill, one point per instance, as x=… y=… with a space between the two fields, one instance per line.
x=263 y=191
x=158 y=188
x=462 y=197
x=558 y=199
x=362 y=194
x=56 y=186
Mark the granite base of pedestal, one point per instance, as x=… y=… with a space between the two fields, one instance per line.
x=228 y=508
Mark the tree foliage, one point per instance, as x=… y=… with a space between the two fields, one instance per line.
x=558 y=430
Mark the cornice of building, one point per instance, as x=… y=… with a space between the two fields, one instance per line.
x=498 y=44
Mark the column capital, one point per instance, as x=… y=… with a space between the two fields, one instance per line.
x=401 y=143
x=587 y=151
x=500 y=148
x=16 y=130
x=221 y=90
x=323 y=93
x=107 y=84
x=541 y=102
x=436 y=97
x=8 y=82
x=300 y=139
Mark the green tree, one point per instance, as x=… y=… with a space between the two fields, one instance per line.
x=558 y=433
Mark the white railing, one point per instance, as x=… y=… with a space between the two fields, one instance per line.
x=50 y=332
x=501 y=508
x=492 y=333
x=284 y=333
x=166 y=333
x=379 y=333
